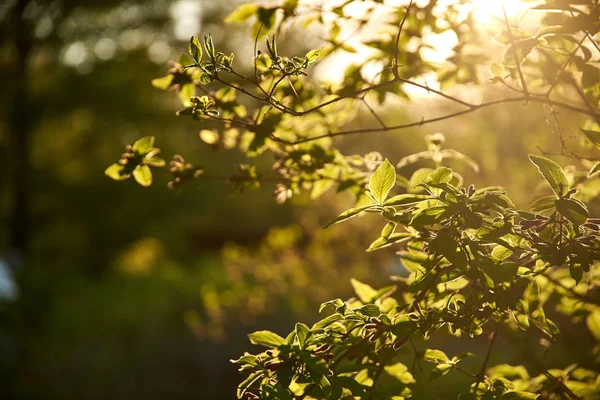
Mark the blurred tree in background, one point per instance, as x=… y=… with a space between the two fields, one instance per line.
x=129 y=292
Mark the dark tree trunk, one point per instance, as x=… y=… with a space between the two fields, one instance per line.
x=20 y=132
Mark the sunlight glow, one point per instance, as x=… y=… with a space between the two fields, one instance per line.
x=490 y=10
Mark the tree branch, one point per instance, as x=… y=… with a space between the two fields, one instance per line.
x=481 y=372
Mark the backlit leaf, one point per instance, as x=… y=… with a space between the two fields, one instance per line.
x=266 y=339
x=242 y=13
x=143 y=175
x=553 y=174
x=382 y=181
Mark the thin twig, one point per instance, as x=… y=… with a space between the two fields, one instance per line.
x=564 y=67
x=364 y=101
x=481 y=372
x=380 y=369
x=424 y=121
x=514 y=50
x=573 y=293
x=397 y=50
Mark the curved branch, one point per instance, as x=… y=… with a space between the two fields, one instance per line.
x=472 y=108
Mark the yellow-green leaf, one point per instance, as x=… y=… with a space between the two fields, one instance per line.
x=144 y=145
x=348 y=214
x=266 y=339
x=117 y=172
x=143 y=175
x=242 y=13
x=163 y=83
x=553 y=174
x=382 y=181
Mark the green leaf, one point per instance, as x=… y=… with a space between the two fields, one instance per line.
x=553 y=174
x=266 y=339
x=501 y=252
x=325 y=322
x=403 y=326
x=503 y=272
x=404 y=199
x=504 y=37
x=186 y=92
x=242 y=13
x=439 y=370
x=247 y=383
x=439 y=176
x=548 y=30
x=543 y=204
x=400 y=372
x=370 y=310
x=163 y=83
x=595 y=169
x=497 y=70
x=325 y=386
x=321 y=186
x=144 y=145
x=382 y=242
x=382 y=181
x=576 y=272
x=314 y=363
x=348 y=214
x=593 y=324
x=209 y=136
x=515 y=395
x=204 y=78
x=427 y=216
x=117 y=172
x=143 y=175
x=195 y=49
x=573 y=210
x=437 y=356
x=312 y=55
x=365 y=293
x=302 y=332
x=154 y=161
x=593 y=136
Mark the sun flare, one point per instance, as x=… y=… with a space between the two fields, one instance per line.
x=490 y=10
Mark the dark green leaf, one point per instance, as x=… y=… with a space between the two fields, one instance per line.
x=543 y=204
x=573 y=210
x=514 y=395
x=195 y=49
x=576 y=272
x=247 y=383
x=302 y=333
x=593 y=136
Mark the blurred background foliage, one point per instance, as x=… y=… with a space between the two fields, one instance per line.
x=126 y=292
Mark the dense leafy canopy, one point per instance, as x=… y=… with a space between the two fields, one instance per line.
x=475 y=263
